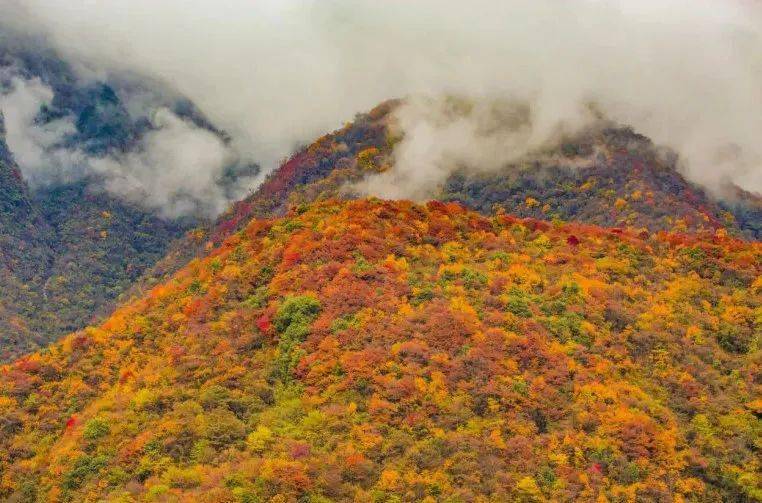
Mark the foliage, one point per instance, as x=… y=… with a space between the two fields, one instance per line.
x=466 y=358
x=70 y=259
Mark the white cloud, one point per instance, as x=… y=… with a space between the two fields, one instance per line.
x=278 y=73
x=175 y=168
x=35 y=146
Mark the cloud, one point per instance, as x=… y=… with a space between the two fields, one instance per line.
x=277 y=73
x=441 y=135
x=176 y=168
x=35 y=147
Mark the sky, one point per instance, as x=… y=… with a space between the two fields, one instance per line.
x=278 y=74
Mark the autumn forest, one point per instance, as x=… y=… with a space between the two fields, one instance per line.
x=468 y=295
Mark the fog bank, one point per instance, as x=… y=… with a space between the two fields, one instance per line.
x=276 y=74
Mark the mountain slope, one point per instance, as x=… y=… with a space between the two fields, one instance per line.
x=102 y=245
x=24 y=255
x=317 y=172
x=386 y=351
x=66 y=253
x=618 y=179
x=607 y=176
x=68 y=248
x=627 y=184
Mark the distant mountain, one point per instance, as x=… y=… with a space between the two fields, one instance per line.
x=100 y=114
x=66 y=253
x=25 y=255
x=68 y=249
x=387 y=351
x=612 y=177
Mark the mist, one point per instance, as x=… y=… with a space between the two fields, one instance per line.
x=276 y=74
x=175 y=168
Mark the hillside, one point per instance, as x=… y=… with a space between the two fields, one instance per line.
x=66 y=253
x=609 y=176
x=92 y=249
x=69 y=248
x=24 y=253
x=387 y=351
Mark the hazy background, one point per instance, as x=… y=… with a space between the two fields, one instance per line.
x=276 y=74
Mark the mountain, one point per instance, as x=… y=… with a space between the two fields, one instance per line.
x=608 y=175
x=320 y=171
x=24 y=254
x=93 y=249
x=389 y=351
x=66 y=253
x=68 y=250
x=612 y=177
x=68 y=247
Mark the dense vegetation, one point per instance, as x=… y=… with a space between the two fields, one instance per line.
x=620 y=179
x=386 y=351
x=24 y=253
x=581 y=325
x=608 y=176
x=84 y=249
x=66 y=253
x=69 y=250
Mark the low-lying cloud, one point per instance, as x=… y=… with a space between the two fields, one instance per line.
x=35 y=147
x=442 y=135
x=277 y=73
x=175 y=168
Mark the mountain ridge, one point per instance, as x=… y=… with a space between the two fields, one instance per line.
x=332 y=165
x=621 y=180
x=68 y=247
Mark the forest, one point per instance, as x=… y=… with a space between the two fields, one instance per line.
x=388 y=351
x=533 y=274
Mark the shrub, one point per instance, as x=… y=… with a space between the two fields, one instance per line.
x=145 y=399
x=96 y=428
x=518 y=305
x=299 y=310
x=214 y=396
x=293 y=321
x=733 y=338
x=223 y=428
x=260 y=439
x=84 y=468
x=182 y=478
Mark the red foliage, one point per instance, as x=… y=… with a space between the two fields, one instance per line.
x=71 y=422
x=481 y=224
x=126 y=376
x=264 y=324
x=28 y=365
x=437 y=206
x=290 y=258
x=300 y=450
